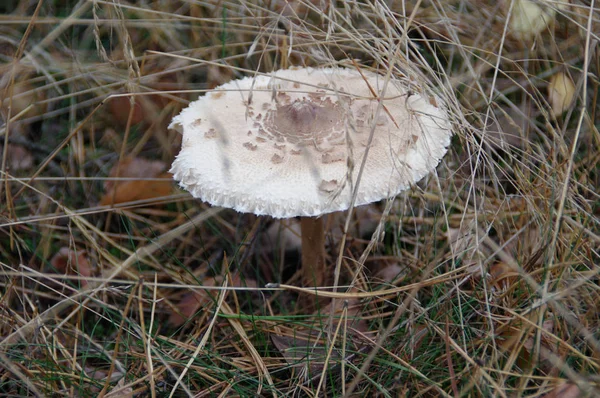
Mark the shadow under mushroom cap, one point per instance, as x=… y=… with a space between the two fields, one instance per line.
x=291 y=144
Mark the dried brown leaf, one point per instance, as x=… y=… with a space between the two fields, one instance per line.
x=128 y=191
x=519 y=338
x=71 y=262
x=24 y=95
x=304 y=353
x=190 y=304
x=391 y=273
x=530 y=18
x=120 y=107
x=146 y=108
x=561 y=92
x=565 y=390
x=193 y=301
x=502 y=275
x=353 y=317
x=120 y=391
x=99 y=374
x=18 y=158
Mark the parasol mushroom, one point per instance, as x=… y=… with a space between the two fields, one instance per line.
x=291 y=144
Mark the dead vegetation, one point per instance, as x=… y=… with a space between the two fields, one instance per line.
x=480 y=281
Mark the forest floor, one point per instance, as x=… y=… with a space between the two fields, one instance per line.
x=482 y=280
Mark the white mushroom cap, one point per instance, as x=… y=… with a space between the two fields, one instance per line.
x=291 y=144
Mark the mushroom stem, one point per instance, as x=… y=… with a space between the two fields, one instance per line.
x=313 y=250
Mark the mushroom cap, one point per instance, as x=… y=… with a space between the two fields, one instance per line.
x=292 y=143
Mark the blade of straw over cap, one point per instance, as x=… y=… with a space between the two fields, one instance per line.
x=283 y=145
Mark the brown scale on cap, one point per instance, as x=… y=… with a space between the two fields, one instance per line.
x=277 y=159
x=250 y=146
x=382 y=120
x=332 y=157
x=317 y=96
x=328 y=186
x=212 y=133
x=338 y=136
x=284 y=98
x=363 y=111
x=365 y=142
x=293 y=140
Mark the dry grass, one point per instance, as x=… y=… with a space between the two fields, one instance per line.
x=485 y=283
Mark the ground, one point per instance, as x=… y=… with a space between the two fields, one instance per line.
x=480 y=280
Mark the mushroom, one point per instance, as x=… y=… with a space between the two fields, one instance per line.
x=291 y=144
